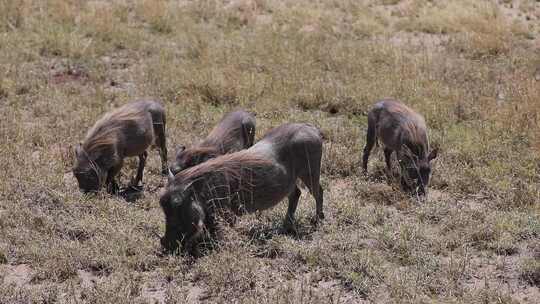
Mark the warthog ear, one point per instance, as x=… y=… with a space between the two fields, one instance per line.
x=180 y=149
x=433 y=154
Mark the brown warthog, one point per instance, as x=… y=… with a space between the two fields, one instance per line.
x=245 y=181
x=404 y=131
x=127 y=131
x=235 y=131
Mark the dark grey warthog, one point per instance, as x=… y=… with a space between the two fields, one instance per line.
x=235 y=131
x=404 y=131
x=127 y=131
x=246 y=181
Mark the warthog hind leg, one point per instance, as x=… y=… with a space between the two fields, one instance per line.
x=289 y=223
x=142 y=162
x=312 y=181
x=318 y=194
x=161 y=142
x=371 y=139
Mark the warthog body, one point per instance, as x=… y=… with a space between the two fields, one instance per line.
x=235 y=131
x=404 y=131
x=246 y=181
x=127 y=131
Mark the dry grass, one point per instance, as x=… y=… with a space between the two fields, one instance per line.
x=470 y=67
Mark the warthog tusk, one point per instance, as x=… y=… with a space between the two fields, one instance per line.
x=170 y=176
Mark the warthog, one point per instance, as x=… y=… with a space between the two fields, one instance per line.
x=404 y=131
x=127 y=131
x=245 y=181
x=235 y=131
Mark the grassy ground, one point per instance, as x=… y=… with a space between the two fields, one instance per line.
x=471 y=67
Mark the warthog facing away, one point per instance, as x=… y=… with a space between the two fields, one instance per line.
x=235 y=131
x=404 y=131
x=246 y=181
x=127 y=131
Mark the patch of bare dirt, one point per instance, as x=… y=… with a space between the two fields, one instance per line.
x=19 y=275
x=87 y=279
x=527 y=294
x=526 y=12
x=69 y=180
x=433 y=42
x=69 y=75
x=195 y=294
x=501 y=273
x=153 y=292
x=341 y=185
x=313 y=286
x=438 y=195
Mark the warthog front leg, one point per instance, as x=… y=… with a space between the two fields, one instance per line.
x=112 y=186
x=365 y=156
x=388 y=160
x=371 y=139
x=110 y=183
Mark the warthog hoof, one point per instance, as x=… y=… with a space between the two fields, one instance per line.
x=113 y=188
x=131 y=193
x=289 y=226
x=317 y=219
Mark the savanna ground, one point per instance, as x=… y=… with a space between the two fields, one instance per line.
x=471 y=67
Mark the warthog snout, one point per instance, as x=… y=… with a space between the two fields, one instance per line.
x=169 y=245
x=174 y=241
x=422 y=190
x=88 y=181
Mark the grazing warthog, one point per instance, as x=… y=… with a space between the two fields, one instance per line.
x=404 y=131
x=235 y=131
x=127 y=131
x=245 y=181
